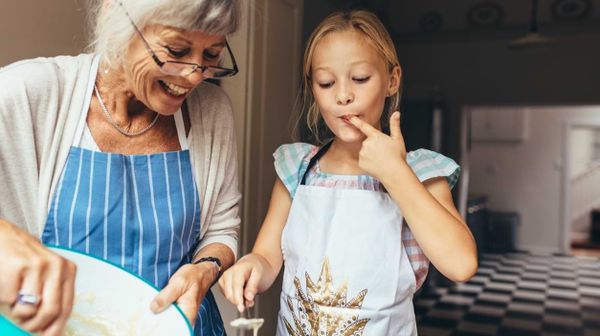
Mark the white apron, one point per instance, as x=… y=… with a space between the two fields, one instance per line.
x=346 y=271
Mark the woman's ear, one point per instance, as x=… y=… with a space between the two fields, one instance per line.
x=395 y=77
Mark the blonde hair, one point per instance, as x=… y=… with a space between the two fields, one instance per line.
x=112 y=32
x=365 y=23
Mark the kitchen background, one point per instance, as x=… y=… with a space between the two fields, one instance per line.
x=510 y=89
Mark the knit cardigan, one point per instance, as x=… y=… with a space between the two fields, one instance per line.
x=41 y=103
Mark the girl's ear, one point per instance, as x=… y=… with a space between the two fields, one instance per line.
x=395 y=76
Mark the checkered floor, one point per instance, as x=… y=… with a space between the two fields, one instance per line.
x=517 y=294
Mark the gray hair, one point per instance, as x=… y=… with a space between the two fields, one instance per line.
x=112 y=31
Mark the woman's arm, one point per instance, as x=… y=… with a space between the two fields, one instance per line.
x=189 y=285
x=256 y=272
x=29 y=266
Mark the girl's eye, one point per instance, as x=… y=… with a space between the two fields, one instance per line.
x=361 y=80
x=176 y=52
x=325 y=85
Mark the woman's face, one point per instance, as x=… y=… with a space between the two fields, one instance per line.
x=147 y=83
x=349 y=78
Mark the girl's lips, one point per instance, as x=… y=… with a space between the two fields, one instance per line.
x=346 y=118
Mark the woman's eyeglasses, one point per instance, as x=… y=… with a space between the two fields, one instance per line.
x=177 y=68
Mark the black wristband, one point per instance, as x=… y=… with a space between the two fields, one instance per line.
x=214 y=260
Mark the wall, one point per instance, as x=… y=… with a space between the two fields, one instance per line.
x=59 y=28
x=526 y=177
x=582 y=149
x=488 y=73
x=32 y=28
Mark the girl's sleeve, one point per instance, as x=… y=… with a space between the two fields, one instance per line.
x=291 y=162
x=427 y=164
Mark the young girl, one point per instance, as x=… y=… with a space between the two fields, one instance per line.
x=336 y=212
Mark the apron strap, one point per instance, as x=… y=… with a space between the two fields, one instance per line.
x=314 y=160
x=180 y=126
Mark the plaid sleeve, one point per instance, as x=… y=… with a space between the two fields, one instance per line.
x=418 y=260
x=428 y=164
x=291 y=161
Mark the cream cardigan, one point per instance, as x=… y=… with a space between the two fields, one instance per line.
x=40 y=105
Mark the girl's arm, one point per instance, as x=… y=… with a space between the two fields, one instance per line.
x=427 y=207
x=434 y=221
x=256 y=272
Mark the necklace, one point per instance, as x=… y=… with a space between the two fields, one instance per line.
x=114 y=124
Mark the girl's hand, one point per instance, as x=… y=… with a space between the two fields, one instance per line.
x=381 y=153
x=187 y=287
x=30 y=268
x=240 y=283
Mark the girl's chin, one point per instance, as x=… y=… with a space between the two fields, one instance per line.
x=350 y=136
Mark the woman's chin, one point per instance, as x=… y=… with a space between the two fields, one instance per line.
x=165 y=103
x=165 y=110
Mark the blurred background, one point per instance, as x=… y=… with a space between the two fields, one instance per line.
x=510 y=89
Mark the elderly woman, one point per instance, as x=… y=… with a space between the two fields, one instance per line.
x=127 y=154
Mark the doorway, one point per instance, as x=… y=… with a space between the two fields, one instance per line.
x=581 y=181
x=517 y=157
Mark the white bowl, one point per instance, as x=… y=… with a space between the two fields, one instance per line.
x=112 y=301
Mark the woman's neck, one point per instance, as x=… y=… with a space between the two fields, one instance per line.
x=119 y=99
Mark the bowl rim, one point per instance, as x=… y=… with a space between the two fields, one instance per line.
x=56 y=247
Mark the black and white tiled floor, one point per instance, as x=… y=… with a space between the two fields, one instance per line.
x=517 y=294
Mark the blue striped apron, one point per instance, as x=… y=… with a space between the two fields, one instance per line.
x=141 y=212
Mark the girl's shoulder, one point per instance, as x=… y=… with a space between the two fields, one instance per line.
x=291 y=162
x=427 y=164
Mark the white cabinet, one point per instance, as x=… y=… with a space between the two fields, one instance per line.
x=499 y=124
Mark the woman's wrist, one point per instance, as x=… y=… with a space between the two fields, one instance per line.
x=212 y=260
x=209 y=271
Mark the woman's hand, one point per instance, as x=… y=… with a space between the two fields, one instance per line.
x=187 y=287
x=381 y=153
x=240 y=283
x=29 y=268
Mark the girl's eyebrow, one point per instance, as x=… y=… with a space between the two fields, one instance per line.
x=325 y=68
x=359 y=62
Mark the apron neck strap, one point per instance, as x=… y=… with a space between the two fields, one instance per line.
x=314 y=160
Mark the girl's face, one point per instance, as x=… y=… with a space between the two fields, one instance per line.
x=156 y=90
x=349 y=78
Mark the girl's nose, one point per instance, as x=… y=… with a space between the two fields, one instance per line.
x=344 y=97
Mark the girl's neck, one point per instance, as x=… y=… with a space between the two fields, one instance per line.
x=347 y=151
x=342 y=158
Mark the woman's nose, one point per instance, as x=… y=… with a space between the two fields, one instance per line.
x=196 y=77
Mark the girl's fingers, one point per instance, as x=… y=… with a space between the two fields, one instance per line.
x=395 y=131
x=364 y=127
x=239 y=281
x=252 y=285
